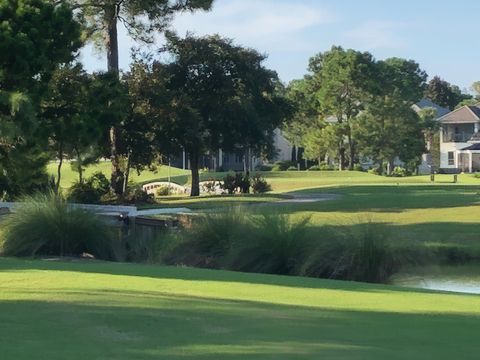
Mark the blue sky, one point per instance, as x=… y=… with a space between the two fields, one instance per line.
x=441 y=35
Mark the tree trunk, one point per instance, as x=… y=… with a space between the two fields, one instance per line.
x=341 y=152
x=79 y=167
x=195 y=191
x=390 y=166
x=59 y=167
x=352 y=153
x=111 y=18
x=127 y=174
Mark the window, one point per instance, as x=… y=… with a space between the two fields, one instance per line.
x=451 y=158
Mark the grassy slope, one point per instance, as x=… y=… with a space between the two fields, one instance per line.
x=281 y=181
x=117 y=311
x=414 y=208
x=69 y=176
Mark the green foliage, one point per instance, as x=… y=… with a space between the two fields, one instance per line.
x=272 y=244
x=35 y=36
x=260 y=184
x=48 y=225
x=136 y=195
x=91 y=190
x=322 y=167
x=399 y=172
x=363 y=254
x=207 y=241
x=443 y=93
x=164 y=190
x=292 y=168
x=237 y=182
x=229 y=184
x=265 y=167
x=243 y=111
x=282 y=165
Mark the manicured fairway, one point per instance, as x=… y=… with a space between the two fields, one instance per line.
x=69 y=176
x=51 y=310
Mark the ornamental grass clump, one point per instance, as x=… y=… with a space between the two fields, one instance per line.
x=272 y=244
x=208 y=239
x=48 y=225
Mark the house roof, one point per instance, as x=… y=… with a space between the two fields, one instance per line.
x=464 y=115
x=472 y=147
x=427 y=103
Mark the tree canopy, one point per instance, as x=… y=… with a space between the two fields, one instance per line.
x=220 y=97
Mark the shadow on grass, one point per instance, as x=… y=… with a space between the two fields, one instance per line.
x=122 y=327
x=387 y=198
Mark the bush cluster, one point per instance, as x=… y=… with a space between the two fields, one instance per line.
x=283 y=165
x=91 y=190
x=48 y=225
x=242 y=183
x=276 y=244
x=323 y=166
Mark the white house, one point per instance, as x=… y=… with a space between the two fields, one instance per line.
x=460 y=140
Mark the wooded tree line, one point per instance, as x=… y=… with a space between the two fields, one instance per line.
x=194 y=94
x=350 y=106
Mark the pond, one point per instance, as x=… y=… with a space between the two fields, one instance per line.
x=463 y=279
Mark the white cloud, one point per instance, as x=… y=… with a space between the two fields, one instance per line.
x=254 y=22
x=376 y=35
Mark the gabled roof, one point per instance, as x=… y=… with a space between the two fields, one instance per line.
x=472 y=147
x=464 y=115
x=427 y=103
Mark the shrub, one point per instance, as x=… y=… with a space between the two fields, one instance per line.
x=375 y=171
x=292 y=168
x=399 y=172
x=358 y=167
x=208 y=240
x=271 y=244
x=229 y=184
x=48 y=225
x=91 y=190
x=282 y=165
x=322 y=167
x=326 y=167
x=163 y=190
x=242 y=182
x=363 y=254
x=264 y=167
x=210 y=186
x=136 y=195
x=477 y=175
x=260 y=185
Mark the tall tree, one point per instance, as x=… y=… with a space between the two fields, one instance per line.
x=221 y=97
x=343 y=79
x=389 y=127
x=443 y=93
x=66 y=117
x=35 y=36
x=141 y=19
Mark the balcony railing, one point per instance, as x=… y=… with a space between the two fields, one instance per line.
x=459 y=137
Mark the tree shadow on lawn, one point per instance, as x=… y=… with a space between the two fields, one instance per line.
x=182 y=328
x=388 y=198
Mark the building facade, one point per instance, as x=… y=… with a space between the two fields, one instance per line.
x=460 y=140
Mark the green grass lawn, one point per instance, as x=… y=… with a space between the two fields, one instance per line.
x=78 y=310
x=69 y=176
x=282 y=181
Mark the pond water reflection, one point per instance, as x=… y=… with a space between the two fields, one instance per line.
x=463 y=279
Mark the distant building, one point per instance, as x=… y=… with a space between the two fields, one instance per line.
x=460 y=140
